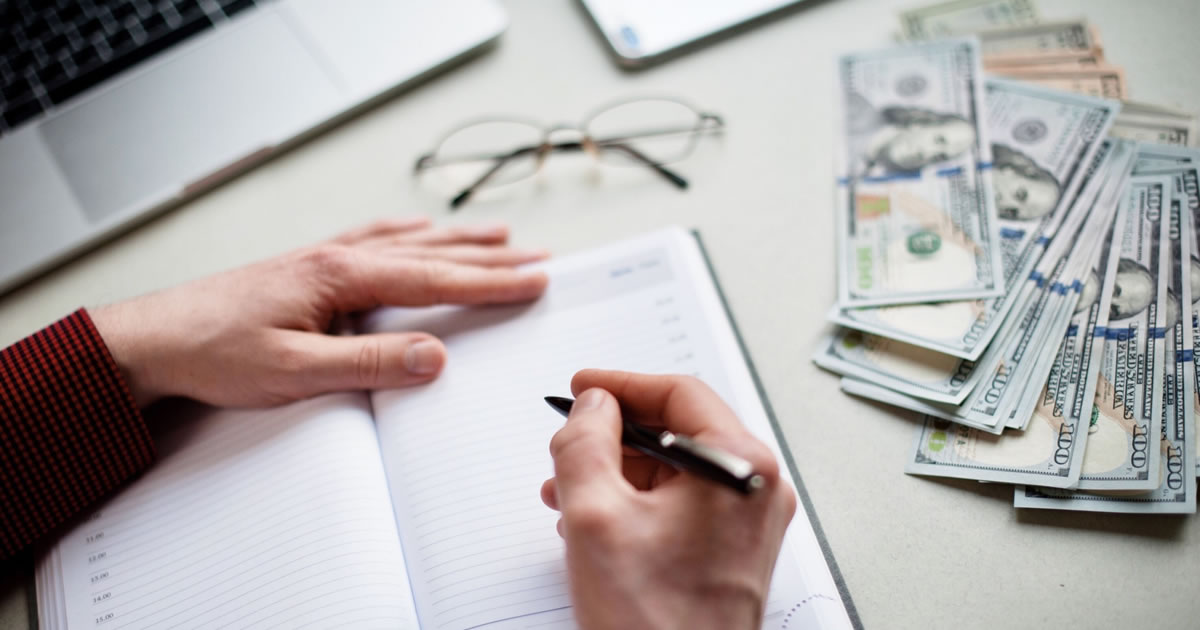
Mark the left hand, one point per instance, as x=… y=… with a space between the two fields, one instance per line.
x=256 y=336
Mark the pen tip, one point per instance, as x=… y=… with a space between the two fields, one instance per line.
x=560 y=404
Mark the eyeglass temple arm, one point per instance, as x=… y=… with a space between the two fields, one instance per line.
x=670 y=175
x=466 y=193
x=463 y=196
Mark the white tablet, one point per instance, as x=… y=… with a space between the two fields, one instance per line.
x=641 y=32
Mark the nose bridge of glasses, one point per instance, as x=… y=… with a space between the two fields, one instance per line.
x=564 y=137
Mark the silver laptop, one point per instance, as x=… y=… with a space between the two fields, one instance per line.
x=112 y=109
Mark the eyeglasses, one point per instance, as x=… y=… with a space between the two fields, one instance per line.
x=650 y=132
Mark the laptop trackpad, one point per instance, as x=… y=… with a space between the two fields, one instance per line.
x=238 y=91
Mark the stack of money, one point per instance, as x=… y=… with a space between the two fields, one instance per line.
x=1017 y=260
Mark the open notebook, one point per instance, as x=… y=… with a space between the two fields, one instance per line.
x=417 y=508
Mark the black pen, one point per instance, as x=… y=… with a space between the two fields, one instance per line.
x=682 y=453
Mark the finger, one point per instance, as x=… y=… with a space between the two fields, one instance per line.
x=357 y=280
x=587 y=452
x=550 y=494
x=479 y=255
x=682 y=404
x=316 y=363
x=480 y=234
x=382 y=228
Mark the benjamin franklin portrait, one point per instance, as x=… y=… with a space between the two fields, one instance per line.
x=1133 y=290
x=1024 y=190
x=905 y=139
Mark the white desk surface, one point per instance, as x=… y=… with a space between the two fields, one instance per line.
x=915 y=552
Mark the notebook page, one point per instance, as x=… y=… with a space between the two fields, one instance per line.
x=265 y=518
x=467 y=454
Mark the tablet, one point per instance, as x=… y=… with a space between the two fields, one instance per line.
x=641 y=32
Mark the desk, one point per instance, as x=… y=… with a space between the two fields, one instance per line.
x=914 y=552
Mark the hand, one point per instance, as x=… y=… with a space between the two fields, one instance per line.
x=256 y=336
x=648 y=546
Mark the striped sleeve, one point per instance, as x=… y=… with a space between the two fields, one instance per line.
x=70 y=430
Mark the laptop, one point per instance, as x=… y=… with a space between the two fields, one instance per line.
x=113 y=109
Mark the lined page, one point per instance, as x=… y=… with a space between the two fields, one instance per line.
x=466 y=455
x=271 y=518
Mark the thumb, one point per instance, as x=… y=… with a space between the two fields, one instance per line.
x=379 y=361
x=587 y=450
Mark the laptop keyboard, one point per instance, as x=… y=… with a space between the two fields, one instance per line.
x=51 y=50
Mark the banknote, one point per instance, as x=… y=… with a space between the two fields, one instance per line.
x=1044 y=454
x=1029 y=354
x=1122 y=451
x=1065 y=370
x=876 y=365
x=974 y=411
x=1067 y=37
x=1187 y=194
x=1050 y=60
x=1100 y=81
x=1071 y=386
x=1046 y=144
x=1027 y=337
x=1176 y=489
x=896 y=365
x=1156 y=157
x=966 y=16
x=915 y=216
x=871 y=391
x=1156 y=129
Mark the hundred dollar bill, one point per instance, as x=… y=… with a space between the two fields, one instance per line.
x=1030 y=356
x=1122 y=452
x=1047 y=61
x=982 y=412
x=896 y=365
x=1070 y=388
x=1067 y=37
x=976 y=410
x=1155 y=127
x=1044 y=454
x=1156 y=157
x=1046 y=145
x=1069 y=369
x=1176 y=489
x=966 y=16
x=1077 y=287
x=1100 y=81
x=870 y=391
x=1187 y=195
x=916 y=220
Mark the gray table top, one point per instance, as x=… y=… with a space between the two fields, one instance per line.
x=914 y=552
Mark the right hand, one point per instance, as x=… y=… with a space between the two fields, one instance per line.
x=648 y=546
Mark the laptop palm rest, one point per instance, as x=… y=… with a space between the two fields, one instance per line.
x=192 y=114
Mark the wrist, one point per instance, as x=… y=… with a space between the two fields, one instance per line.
x=130 y=343
x=729 y=609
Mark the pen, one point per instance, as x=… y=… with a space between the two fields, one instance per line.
x=682 y=453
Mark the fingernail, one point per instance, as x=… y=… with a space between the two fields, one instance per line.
x=423 y=357
x=590 y=399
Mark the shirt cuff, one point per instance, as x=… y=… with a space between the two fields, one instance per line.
x=70 y=429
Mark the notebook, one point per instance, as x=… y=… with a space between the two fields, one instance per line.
x=419 y=508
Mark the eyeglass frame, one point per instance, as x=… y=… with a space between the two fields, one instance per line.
x=705 y=122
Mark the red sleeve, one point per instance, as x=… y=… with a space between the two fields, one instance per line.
x=70 y=430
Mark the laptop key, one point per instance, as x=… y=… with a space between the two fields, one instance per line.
x=15 y=114
x=230 y=7
x=125 y=55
